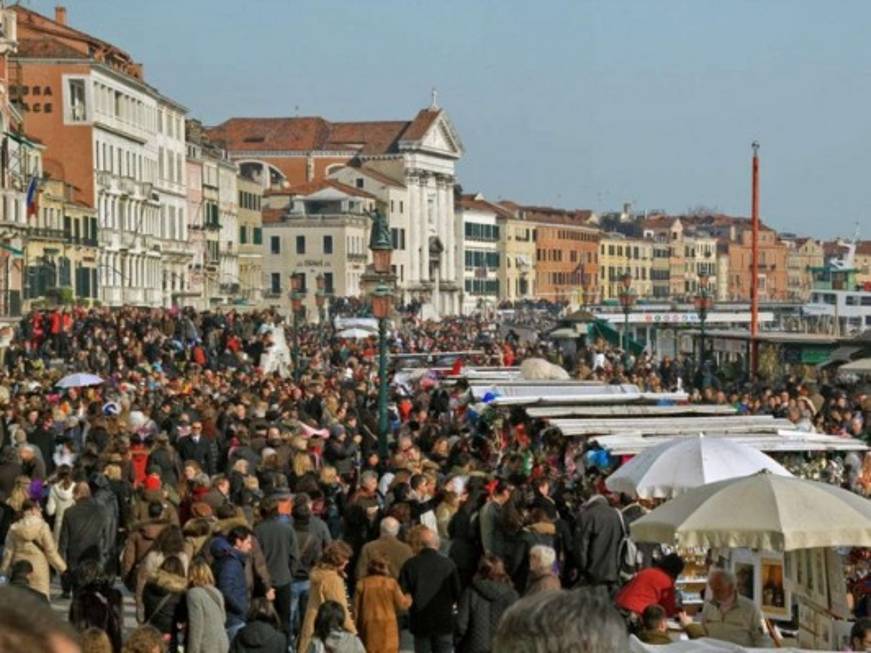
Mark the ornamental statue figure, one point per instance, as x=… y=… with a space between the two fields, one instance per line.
x=380 y=237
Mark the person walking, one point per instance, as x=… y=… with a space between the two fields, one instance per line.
x=164 y=600
x=387 y=547
x=206 y=614
x=482 y=605
x=330 y=635
x=96 y=603
x=599 y=531
x=434 y=585
x=30 y=539
x=278 y=541
x=60 y=497
x=83 y=533
x=230 y=554
x=327 y=584
x=262 y=632
x=376 y=601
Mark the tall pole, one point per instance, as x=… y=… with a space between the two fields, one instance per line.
x=626 y=336
x=754 y=263
x=295 y=344
x=382 y=388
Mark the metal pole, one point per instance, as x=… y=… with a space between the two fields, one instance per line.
x=703 y=314
x=382 y=388
x=626 y=336
x=295 y=344
x=754 y=264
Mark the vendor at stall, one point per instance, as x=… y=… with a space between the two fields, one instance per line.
x=731 y=617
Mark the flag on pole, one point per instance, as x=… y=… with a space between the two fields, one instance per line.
x=32 y=197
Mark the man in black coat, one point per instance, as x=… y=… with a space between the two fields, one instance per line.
x=599 y=531
x=278 y=541
x=84 y=534
x=434 y=584
x=197 y=447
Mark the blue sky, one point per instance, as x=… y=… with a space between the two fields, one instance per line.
x=577 y=104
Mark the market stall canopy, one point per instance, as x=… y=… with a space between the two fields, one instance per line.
x=681 y=464
x=79 y=380
x=538 y=369
x=761 y=511
x=771 y=441
x=356 y=333
x=570 y=393
x=704 y=645
x=861 y=366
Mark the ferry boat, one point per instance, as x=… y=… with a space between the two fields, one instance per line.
x=838 y=304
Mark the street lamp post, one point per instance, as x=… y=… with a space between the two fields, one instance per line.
x=296 y=297
x=381 y=244
x=627 y=298
x=703 y=302
x=320 y=296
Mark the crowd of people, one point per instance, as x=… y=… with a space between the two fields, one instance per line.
x=252 y=511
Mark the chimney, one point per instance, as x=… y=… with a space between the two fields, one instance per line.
x=60 y=15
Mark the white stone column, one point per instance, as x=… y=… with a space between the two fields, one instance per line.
x=423 y=220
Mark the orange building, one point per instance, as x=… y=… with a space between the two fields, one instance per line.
x=566 y=253
x=117 y=142
x=773 y=271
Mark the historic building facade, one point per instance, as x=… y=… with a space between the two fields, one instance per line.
x=419 y=155
x=250 y=240
x=88 y=102
x=619 y=255
x=482 y=251
x=320 y=228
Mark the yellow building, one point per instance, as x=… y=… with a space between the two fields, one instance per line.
x=517 y=268
x=61 y=251
x=862 y=262
x=619 y=255
x=250 y=240
x=802 y=255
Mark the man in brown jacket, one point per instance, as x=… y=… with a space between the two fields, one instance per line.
x=388 y=547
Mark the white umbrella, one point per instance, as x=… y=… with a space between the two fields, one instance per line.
x=78 y=380
x=681 y=464
x=538 y=369
x=761 y=511
x=355 y=333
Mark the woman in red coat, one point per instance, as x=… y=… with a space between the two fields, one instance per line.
x=652 y=586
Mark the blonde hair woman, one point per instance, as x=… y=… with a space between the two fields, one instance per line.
x=30 y=539
x=327 y=584
x=206 y=612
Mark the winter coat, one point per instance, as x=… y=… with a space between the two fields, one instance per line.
x=106 y=498
x=376 y=602
x=59 y=499
x=259 y=637
x=388 y=547
x=30 y=539
x=480 y=609
x=145 y=570
x=278 y=541
x=229 y=569
x=465 y=548
x=326 y=585
x=339 y=641
x=98 y=605
x=146 y=497
x=598 y=534
x=206 y=618
x=651 y=586
x=434 y=585
x=202 y=451
x=138 y=545
x=83 y=534
x=257 y=576
x=311 y=546
x=167 y=462
x=164 y=600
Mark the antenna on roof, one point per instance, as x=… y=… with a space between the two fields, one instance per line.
x=296 y=111
x=435 y=97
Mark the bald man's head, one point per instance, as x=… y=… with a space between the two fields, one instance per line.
x=390 y=526
x=429 y=539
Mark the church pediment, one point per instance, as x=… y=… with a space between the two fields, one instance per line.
x=438 y=136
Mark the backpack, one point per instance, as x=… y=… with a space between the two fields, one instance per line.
x=628 y=556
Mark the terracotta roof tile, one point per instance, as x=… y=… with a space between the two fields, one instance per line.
x=864 y=248
x=314 y=133
x=365 y=137
x=47 y=48
x=418 y=127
